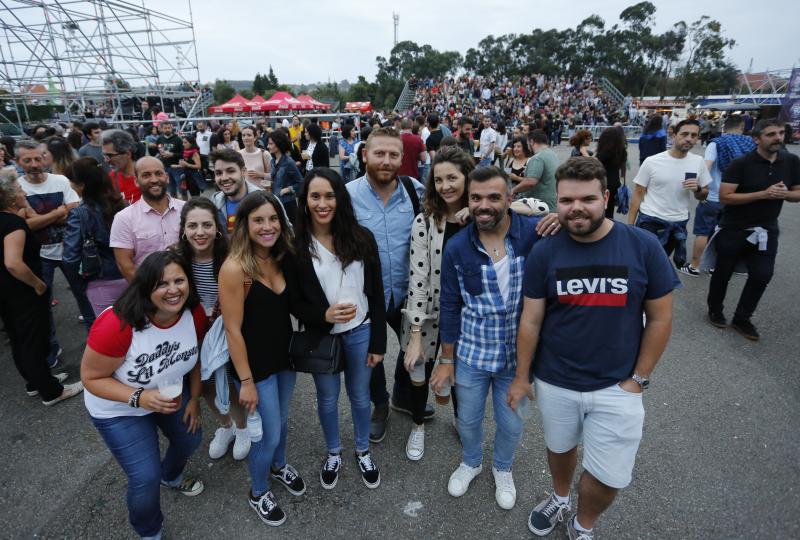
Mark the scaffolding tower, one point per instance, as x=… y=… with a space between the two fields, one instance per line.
x=88 y=53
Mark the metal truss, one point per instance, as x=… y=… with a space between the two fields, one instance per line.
x=763 y=87
x=88 y=51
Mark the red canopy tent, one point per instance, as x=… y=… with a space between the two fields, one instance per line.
x=283 y=101
x=314 y=102
x=256 y=102
x=236 y=104
x=360 y=106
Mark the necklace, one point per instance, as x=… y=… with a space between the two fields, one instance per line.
x=496 y=253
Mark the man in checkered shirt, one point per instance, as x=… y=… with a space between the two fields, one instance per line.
x=481 y=303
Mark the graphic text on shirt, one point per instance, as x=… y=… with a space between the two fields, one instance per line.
x=595 y=285
x=166 y=354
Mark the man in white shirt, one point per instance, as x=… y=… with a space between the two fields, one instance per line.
x=50 y=198
x=488 y=143
x=664 y=187
x=203 y=137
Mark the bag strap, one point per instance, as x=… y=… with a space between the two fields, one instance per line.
x=248 y=282
x=412 y=193
x=83 y=217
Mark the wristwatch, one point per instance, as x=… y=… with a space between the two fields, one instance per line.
x=641 y=381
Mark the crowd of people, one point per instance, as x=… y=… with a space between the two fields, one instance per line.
x=497 y=267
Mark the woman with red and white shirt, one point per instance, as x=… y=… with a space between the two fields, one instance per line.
x=138 y=354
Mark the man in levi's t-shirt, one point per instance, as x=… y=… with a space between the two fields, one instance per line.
x=134 y=371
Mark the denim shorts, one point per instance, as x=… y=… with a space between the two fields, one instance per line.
x=706 y=218
x=609 y=422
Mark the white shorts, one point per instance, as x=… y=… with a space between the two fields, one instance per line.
x=609 y=421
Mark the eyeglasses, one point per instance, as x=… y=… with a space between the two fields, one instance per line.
x=109 y=155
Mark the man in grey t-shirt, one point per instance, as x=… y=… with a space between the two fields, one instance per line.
x=540 y=173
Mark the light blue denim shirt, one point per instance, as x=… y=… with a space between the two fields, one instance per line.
x=390 y=224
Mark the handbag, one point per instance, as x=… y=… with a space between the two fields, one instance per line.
x=90 y=266
x=316 y=352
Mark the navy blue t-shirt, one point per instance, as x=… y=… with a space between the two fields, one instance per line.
x=595 y=296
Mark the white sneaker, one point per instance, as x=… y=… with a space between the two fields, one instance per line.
x=242 y=445
x=415 y=447
x=70 y=390
x=221 y=441
x=461 y=478
x=60 y=377
x=504 y=492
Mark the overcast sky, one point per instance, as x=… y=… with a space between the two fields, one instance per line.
x=308 y=41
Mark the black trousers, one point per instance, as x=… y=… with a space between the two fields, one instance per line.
x=402 y=379
x=26 y=318
x=731 y=246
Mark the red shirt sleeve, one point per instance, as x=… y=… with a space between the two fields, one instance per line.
x=201 y=324
x=109 y=336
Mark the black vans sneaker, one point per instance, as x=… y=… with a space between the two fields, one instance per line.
x=267 y=509
x=746 y=328
x=329 y=474
x=289 y=478
x=717 y=319
x=369 y=471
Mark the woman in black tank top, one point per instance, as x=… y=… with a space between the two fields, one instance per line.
x=255 y=308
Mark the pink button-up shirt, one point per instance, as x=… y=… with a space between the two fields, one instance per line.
x=141 y=228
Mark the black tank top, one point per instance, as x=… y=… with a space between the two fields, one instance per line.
x=266 y=329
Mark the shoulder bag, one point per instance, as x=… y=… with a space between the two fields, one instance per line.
x=90 y=267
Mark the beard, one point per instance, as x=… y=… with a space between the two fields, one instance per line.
x=497 y=217
x=585 y=228
x=381 y=174
x=147 y=195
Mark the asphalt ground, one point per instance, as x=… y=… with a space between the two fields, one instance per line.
x=719 y=457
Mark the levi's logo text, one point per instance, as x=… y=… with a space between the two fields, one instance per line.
x=592 y=285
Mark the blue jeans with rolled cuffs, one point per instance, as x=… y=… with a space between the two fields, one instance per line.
x=133 y=441
x=274 y=394
x=356 y=380
x=473 y=387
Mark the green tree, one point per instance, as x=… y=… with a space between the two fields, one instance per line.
x=260 y=84
x=223 y=91
x=247 y=93
x=362 y=90
x=271 y=79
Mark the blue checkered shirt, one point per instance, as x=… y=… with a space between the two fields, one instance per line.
x=474 y=315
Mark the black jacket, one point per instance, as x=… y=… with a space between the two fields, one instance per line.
x=309 y=303
x=320 y=157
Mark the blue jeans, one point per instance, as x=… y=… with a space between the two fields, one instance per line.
x=274 y=394
x=473 y=387
x=485 y=162
x=356 y=379
x=175 y=177
x=424 y=170
x=133 y=441
x=78 y=288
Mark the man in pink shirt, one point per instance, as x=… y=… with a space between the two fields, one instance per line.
x=150 y=224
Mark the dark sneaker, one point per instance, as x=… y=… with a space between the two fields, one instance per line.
x=746 y=328
x=689 y=270
x=404 y=408
x=289 y=478
x=717 y=319
x=189 y=486
x=52 y=360
x=329 y=474
x=369 y=471
x=267 y=509
x=31 y=391
x=575 y=534
x=377 y=425
x=546 y=515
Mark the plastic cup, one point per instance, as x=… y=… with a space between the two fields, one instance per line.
x=418 y=373
x=524 y=408
x=443 y=396
x=170 y=387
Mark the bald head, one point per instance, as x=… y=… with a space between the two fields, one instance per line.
x=148 y=163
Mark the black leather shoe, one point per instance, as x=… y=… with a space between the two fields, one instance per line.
x=717 y=319
x=747 y=329
x=377 y=425
x=430 y=412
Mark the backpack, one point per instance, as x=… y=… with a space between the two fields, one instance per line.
x=412 y=193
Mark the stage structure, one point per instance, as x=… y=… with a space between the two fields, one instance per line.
x=763 y=88
x=88 y=55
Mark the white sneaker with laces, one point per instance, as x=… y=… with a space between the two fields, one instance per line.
x=70 y=390
x=242 y=445
x=461 y=478
x=415 y=447
x=504 y=493
x=221 y=441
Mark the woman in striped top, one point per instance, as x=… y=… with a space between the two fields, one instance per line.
x=204 y=248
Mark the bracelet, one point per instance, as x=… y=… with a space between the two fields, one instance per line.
x=133 y=400
x=446 y=361
x=415 y=330
x=245 y=380
x=195 y=398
